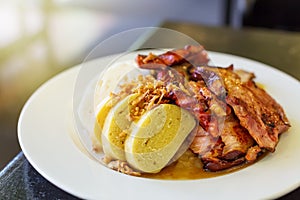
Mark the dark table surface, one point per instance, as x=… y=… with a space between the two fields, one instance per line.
x=19 y=180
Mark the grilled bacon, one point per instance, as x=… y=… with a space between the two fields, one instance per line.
x=237 y=119
x=194 y=55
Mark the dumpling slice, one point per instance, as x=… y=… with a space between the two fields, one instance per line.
x=115 y=128
x=156 y=138
x=104 y=108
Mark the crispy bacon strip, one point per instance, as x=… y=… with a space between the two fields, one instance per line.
x=236 y=138
x=195 y=55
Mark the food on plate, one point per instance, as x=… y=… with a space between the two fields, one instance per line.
x=105 y=107
x=185 y=112
x=115 y=127
x=157 y=136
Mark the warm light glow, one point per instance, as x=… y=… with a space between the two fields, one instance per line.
x=41 y=38
x=10 y=24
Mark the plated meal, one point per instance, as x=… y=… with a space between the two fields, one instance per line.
x=186 y=119
x=69 y=160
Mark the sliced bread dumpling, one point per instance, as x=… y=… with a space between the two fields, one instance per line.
x=155 y=139
x=115 y=128
x=104 y=108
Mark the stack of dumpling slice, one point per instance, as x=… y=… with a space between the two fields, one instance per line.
x=148 y=144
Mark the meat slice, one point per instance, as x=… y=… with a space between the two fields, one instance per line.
x=203 y=142
x=244 y=75
x=191 y=54
x=228 y=150
x=212 y=158
x=216 y=164
x=236 y=139
x=257 y=111
x=253 y=153
x=215 y=112
x=272 y=114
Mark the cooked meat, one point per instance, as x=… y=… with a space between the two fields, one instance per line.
x=211 y=77
x=223 y=151
x=218 y=165
x=244 y=75
x=237 y=119
x=272 y=114
x=257 y=111
x=202 y=93
x=194 y=55
x=186 y=95
x=212 y=158
x=203 y=142
x=236 y=138
x=216 y=110
x=252 y=153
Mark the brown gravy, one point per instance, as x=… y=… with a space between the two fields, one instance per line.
x=189 y=166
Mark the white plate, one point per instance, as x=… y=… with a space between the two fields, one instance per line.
x=48 y=140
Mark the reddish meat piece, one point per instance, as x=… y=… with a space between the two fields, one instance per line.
x=218 y=165
x=219 y=153
x=253 y=153
x=192 y=54
x=236 y=138
x=203 y=142
x=257 y=111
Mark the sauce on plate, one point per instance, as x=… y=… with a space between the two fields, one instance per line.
x=189 y=166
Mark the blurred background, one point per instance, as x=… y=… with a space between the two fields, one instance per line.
x=40 y=38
